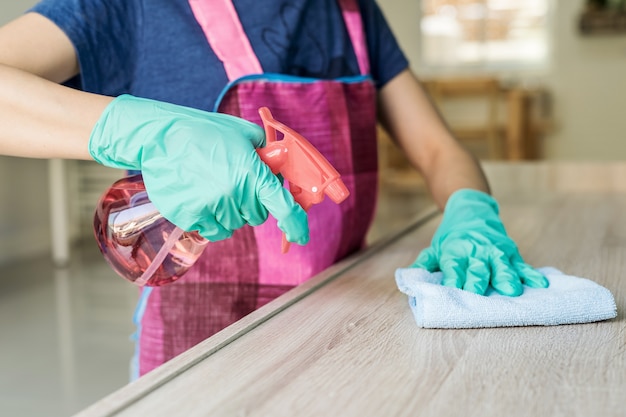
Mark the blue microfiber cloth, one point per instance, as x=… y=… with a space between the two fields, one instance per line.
x=567 y=300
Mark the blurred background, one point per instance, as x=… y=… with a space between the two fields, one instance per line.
x=515 y=80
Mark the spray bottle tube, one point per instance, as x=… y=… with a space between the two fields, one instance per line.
x=146 y=249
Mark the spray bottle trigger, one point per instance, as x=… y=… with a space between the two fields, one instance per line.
x=308 y=172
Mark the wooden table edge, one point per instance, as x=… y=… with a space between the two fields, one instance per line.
x=130 y=394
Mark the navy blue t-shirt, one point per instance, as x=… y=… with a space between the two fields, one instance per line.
x=156 y=49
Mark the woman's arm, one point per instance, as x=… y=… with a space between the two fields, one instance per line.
x=184 y=173
x=39 y=117
x=411 y=119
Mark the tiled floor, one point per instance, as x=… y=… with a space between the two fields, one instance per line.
x=65 y=333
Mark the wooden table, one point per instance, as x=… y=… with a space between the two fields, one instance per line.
x=345 y=343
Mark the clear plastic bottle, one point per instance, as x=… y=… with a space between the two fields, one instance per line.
x=137 y=241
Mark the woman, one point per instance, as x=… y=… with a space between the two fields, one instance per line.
x=326 y=68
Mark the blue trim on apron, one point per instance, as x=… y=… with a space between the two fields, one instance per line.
x=137 y=316
x=275 y=77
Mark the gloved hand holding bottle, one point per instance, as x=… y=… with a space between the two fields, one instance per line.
x=200 y=169
x=472 y=249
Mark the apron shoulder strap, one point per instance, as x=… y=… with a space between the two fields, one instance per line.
x=354 y=24
x=222 y=29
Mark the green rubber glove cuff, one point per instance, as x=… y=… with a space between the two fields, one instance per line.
x=460 y=198
x=472 y=207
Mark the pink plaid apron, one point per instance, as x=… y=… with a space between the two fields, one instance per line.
x=238 y=275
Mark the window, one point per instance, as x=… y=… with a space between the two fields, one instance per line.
x=484 y=34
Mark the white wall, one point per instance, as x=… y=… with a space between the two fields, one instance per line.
x=24 y=220
x=402 y=16
x=12 y=9
x=587 y=80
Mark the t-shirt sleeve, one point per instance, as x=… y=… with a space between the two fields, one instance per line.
x=386 y=58
x=103 y=37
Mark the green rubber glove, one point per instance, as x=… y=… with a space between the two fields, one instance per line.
x=472 y=249
x=200 y=169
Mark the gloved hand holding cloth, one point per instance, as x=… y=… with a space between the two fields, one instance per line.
x=200 y=169
x=473 y=251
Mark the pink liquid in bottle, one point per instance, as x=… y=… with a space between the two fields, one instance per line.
x=132 y=235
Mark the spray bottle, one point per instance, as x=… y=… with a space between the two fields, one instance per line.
x=146 y=249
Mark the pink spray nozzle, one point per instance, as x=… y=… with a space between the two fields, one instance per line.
x=337 y=191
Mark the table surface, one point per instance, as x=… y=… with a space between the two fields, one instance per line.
x=345 y=343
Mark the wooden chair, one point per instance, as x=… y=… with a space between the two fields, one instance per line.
x=485 y=89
